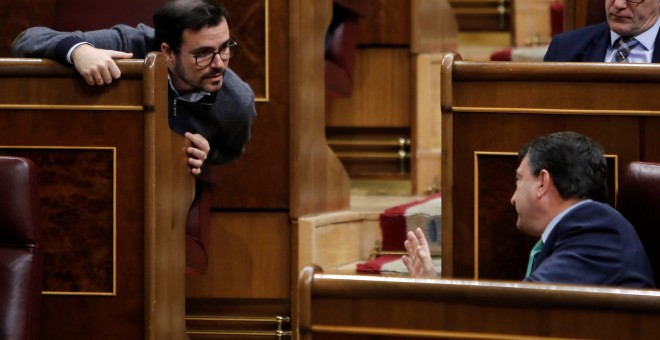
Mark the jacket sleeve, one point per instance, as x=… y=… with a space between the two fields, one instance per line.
x=581 y=255
x=551 y=53
x=43 y=42
x=594 y=246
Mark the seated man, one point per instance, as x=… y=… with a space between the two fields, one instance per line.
x=561 y=185
x=629 y=35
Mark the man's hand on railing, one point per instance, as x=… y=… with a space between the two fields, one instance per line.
x=97 y=66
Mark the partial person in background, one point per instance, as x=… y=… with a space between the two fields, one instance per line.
x=629 y=35
x=561 y=187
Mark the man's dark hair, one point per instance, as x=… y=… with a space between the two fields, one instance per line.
x=577 y=164
x=175 y=16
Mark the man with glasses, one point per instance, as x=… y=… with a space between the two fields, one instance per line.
x=630 y=35
x=209 y=104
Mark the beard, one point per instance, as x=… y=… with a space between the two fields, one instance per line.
x=208 y=79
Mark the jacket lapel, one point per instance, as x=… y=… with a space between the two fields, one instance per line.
x=656 y=49
x=596 y=50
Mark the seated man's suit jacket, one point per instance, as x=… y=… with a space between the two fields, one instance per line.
x=593 y=244
x=587 y=44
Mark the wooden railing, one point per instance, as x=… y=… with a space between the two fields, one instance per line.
x=368 y=307
x=115 y=190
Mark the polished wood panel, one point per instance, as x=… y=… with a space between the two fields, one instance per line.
x=72 y=15
x=249 y=27
x=392 y=98
x=517 y=102
x=531 y=22
x=318 y=181
x=374 y=307
x=169 y=190
x=249 y=256
x=238 y=319
x=381 y=96
x=649 y=139
x=495 y=259
x=139 y=193
x=483 y=15
x=336 y=240
x=249 y=274
x=76 y=187
x=433 y=27
x=16 y=16
x=387 y=23
x=367 y=117
x=580 y=13
x=253 y=181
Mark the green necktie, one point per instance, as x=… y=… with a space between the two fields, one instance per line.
x=537 y=249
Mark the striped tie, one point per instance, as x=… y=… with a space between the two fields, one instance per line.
x=623 y=48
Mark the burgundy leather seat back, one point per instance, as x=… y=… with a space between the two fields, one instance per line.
x=20 y=250
x=639 y=202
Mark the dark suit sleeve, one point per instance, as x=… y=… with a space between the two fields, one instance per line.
x=579 y=254
x=586 y=44
x=551 y=53
x=43 y=42
x=594 y=245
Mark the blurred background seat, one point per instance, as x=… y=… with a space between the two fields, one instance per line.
x=21 y=263
x=638 y=201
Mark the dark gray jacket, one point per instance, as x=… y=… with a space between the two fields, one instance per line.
x=224 y=118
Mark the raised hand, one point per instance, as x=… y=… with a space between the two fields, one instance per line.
x=418 y=261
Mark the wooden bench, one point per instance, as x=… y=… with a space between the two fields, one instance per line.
x=115 y=189
x=368 y=307
x=491 y=109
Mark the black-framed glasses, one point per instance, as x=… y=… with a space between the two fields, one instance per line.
x=204 y=59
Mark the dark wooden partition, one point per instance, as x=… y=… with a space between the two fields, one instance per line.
x=287 y=172
x=376 y=307
x=490 y=110
x=115 y=190
x=580 y=13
